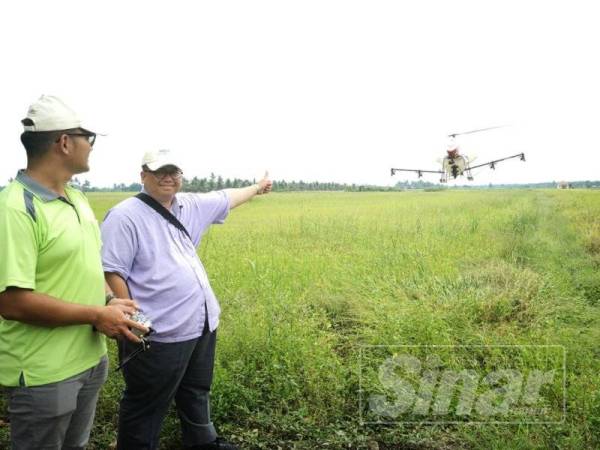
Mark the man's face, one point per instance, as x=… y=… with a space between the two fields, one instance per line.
x=79 y=146
x=164 y=182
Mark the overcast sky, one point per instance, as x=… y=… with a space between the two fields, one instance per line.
x=312 y=90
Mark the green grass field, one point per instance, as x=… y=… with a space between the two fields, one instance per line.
x=306 y=280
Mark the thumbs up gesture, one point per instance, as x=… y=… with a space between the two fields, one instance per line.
x=264 y=185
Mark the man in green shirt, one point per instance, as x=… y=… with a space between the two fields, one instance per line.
x=52 y=291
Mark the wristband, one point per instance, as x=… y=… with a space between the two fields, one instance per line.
x=109 y=297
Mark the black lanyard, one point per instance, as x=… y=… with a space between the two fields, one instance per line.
x=163 y=212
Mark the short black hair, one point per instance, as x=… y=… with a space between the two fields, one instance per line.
x=37 y=143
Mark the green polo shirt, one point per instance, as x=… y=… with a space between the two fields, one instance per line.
x=51 y=245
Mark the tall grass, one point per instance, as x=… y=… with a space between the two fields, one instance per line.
x=306 y=279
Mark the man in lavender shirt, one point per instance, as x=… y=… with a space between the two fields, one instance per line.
x=151 y=259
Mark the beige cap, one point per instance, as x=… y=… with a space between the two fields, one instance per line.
x=50 y=113
x=155 y=159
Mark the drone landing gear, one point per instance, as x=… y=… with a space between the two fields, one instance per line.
x=469 y=174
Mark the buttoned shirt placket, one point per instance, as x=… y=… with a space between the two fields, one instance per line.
x=187 y=249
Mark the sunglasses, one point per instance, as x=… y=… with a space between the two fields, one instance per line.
x=90 y=137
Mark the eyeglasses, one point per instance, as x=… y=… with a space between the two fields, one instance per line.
x=162 y=174
x=91 y=138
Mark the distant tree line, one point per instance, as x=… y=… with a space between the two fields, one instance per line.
x=86 y=186
x=216 y=182
x=585 y=184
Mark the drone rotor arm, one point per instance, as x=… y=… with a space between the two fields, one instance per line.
x=419 y=172
x=492 y=164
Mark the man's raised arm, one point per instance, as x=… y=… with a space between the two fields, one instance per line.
x=239 y=196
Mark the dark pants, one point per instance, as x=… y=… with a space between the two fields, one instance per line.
x=181 y=371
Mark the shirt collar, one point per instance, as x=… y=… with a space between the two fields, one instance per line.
x=36 y=188
x=175 y=206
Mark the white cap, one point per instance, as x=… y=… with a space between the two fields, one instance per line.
x=50 y=113
x=155 y=159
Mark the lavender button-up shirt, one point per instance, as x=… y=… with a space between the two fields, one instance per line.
x=160 y=264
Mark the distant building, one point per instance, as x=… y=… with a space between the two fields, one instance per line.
x=564 y=185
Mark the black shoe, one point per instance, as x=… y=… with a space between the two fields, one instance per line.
x=217 y=444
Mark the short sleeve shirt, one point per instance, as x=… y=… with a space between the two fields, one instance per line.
x=159 y=262
x=51 y=245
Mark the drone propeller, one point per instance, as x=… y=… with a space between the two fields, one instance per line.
x=475 y=131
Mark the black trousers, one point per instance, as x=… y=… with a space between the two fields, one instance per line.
x=180 y=371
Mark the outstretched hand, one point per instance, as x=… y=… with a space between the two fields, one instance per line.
x=264 y=185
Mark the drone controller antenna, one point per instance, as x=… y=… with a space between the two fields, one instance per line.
x=144 y=346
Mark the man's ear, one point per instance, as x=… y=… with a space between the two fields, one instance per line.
x=62 y=145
